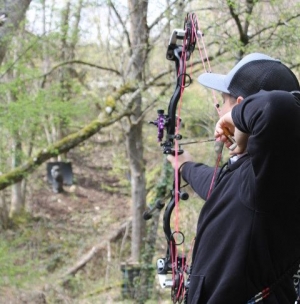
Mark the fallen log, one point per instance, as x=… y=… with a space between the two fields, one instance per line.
x=113 y=236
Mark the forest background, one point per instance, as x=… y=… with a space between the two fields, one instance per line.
x=80 y=79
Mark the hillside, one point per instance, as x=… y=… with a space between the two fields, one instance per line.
x=64 y=228
x=82 y=232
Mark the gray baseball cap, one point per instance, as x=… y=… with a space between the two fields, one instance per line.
x=253 y=73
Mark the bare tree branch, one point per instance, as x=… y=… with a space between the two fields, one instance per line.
x=77 y=62
x=110 y=3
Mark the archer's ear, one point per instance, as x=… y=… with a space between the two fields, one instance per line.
x=239 y=99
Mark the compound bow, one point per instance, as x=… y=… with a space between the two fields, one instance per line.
x=173 y=263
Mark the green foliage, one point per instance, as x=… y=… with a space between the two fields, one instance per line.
x=198 y=113
x=120 y=169
x=17 y=267
x=159 y=181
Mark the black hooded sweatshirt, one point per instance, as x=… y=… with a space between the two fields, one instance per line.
x=248 y=232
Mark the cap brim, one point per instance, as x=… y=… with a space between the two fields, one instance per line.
x=214 y=81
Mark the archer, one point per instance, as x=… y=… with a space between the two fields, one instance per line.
x=247 y=245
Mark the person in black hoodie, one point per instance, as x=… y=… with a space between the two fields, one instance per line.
x=247 y=244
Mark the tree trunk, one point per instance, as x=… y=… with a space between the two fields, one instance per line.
x=68 y=44
x=17 y=197
x=134 y=144
x=162 y=189
x=16 y=10
x=4 y=220
x=134 y=138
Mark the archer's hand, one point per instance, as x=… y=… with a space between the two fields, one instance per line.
x=181 y=159
x=226 y=126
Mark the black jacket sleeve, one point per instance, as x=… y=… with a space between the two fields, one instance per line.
x=273 y=121
x=199 y=176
